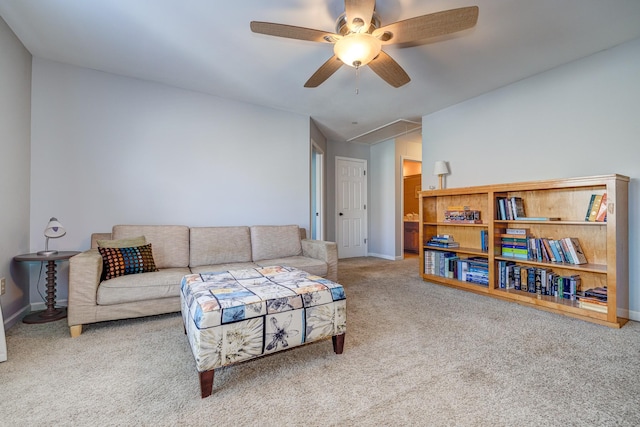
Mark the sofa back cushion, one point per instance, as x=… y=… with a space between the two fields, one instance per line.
x=275 y=241
x=170 y=242
x=219 y=245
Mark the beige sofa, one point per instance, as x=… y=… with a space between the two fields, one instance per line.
x=179 y=250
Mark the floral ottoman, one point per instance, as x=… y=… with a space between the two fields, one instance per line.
x=237 y=315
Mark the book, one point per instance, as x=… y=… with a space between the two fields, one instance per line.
x=565 y=251
x=538 y=218
x=502 y=214
x=595 y=207
x=598 y=292
x=443 y=244
x=577 y=254
x=547 y=248
x=517 y=231
x=586 y=217
x=517 y=207
x=601 y=216
x=601 y=308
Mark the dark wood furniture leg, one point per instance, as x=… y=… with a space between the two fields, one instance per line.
x=206 y=383
x=338 y=343
x=51 y=313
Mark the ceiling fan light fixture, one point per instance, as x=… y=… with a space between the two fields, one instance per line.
x=357 y=49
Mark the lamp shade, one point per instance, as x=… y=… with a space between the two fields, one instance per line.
x=54 y=229
x=357 y=49
x=441 y=168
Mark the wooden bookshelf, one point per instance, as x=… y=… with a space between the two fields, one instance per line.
x=605 y=244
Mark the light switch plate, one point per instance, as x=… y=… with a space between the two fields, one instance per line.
x=3 y=286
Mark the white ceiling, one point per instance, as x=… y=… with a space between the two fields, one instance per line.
x=207 y=46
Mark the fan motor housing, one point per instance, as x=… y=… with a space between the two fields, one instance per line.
x=343 y=29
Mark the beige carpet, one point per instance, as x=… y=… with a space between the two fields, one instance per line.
x=415 y=354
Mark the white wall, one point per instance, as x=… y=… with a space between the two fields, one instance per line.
x=108 y=150
x=15 y=119
x=382 y=200
x=577 y=120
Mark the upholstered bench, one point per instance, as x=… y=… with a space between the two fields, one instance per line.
x=237 y=315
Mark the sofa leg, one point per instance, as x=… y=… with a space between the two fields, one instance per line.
x=206 y=383
x=338 y=343
x=75 y=330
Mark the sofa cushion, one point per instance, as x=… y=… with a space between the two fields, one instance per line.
x=170 y=242
x=141 y=287
x=310 y=265
x=122 y=243
x=275 y=241
x=123 y=261
x=219 y=245
x=224 y=267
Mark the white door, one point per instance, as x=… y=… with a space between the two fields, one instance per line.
x=351 y=206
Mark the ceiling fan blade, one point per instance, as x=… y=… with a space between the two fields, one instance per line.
x=359 y=14
x=293 y=32
x=324 y=72
x=389 y=70
x=431 y=25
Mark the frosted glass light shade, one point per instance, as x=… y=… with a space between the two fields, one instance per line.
x=357 y=49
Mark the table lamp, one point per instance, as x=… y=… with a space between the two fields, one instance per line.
x=441 y=169
x=54 y=230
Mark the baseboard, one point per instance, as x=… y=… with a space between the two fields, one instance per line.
x=629 y=314
x=389 y=257
x=37 y=306
x=16 y=317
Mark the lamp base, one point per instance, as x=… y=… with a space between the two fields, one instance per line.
x=47 y=253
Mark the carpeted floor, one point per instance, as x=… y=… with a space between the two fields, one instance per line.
x=415 y=354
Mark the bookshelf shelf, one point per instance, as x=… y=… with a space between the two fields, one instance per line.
x=605 y=244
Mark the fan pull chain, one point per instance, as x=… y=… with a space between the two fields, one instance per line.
x=357 y=79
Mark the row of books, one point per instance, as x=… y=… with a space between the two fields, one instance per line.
x=447 y=241
x=468 y=216
x=597 y=210
x=443 y=241
x=593 y=299
x=449 y=264
x=537 y=280
x=566 y=250
x=512 y=209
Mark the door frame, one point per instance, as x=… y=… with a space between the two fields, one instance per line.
x=400 y=225
x=317 y=193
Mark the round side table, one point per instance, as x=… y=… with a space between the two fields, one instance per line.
x=51 y=313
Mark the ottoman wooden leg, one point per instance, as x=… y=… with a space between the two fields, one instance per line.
x=338 y=343
x=206 y=383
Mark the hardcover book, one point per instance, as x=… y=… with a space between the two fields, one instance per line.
x=595 y=207
x=601 y=216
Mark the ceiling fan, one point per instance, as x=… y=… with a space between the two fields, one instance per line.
x=359 y=38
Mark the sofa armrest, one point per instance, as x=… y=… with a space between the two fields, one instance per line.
x=85 y=270
x=325 y=251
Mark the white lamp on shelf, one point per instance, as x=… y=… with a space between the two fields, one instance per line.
x=54 y=230
x=441 y=169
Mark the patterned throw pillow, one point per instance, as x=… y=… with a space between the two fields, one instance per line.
x=123 y=261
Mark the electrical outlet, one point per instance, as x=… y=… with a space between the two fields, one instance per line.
x=3 y=286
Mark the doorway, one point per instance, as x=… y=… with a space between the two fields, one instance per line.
x=412 y=185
